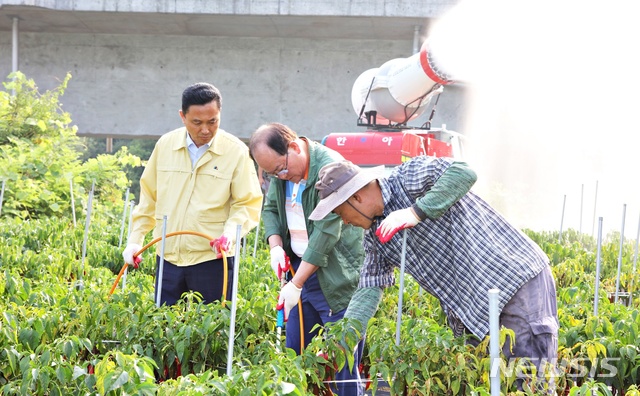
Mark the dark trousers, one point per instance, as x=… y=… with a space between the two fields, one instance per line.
x=532 y=314
x=315 y=310
x=206 y=278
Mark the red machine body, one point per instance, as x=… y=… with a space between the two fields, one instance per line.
x=385 y=99
x=391 y=148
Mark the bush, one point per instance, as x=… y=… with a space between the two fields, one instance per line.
x=40 y=157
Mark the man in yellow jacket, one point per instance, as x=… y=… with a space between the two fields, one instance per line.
x=203 y=179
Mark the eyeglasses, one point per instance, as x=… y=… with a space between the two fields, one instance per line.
x=282 y=171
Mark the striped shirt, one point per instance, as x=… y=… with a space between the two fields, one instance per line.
x=295 y=217
x=459 y=256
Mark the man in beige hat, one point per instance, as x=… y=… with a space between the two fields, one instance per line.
x=458 y=247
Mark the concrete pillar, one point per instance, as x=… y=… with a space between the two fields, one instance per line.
x=14 y=45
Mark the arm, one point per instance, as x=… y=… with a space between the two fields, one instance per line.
x=246 y=197
x=322 y=240
x=454 y=183
x=275 y=240
x=305 y=270
x=363 y=305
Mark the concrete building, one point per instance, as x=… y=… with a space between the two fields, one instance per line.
x=291 y=61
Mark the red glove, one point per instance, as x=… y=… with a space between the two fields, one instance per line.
x=219 y=245
x=396 y=221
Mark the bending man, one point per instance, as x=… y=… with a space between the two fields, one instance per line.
x=459 y=247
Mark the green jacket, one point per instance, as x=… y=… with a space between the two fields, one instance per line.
x=333 y=246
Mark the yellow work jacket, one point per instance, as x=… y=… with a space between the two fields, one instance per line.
x=218 y=194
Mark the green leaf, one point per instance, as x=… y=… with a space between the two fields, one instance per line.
x=77 y=372
x=287 y=388
x=116 y=380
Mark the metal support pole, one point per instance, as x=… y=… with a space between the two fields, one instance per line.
x=124 y=220
x=635 y=260
x=635 y=255
x=494 y=342
x=14 y=49
x=161 y=265
x=124 y=216
x=255 y=242
x=14 y=45
x=234 y=303
x=564 y=201
x=73 y=202
x=598 y=263
x=4 y=182
x=403 y=259
x=131 y=205
x=244 y=247
x=80 y=283
x=126 y=270
x=624 y=210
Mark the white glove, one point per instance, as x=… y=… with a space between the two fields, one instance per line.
x=128 y=253
x=396 y=221
x=289 y=297
x=279 y=262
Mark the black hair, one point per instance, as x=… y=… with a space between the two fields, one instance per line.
x=200 y=94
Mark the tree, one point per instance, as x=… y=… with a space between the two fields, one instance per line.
x=139 y=147
x=40 y=156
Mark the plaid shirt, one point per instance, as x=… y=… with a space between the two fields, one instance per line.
x=457 y=257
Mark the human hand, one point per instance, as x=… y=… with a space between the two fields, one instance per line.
x=279 y=261
x=289 y=297
x=128 y=253
x=221 y=244
x=396 y=221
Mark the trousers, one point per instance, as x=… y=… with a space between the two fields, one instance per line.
x=316 y=310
